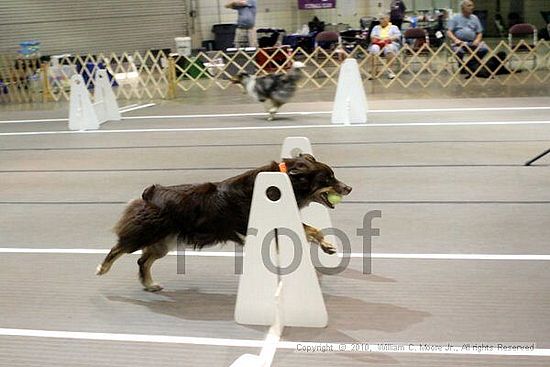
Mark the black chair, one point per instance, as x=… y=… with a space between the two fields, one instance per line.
x=269 y=37
x=366 y=23
x=353 y=38
x=544 y=33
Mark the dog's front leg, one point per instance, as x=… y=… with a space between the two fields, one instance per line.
x=270 y=108
x=315 y=235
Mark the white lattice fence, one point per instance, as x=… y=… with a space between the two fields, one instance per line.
x=157 y=75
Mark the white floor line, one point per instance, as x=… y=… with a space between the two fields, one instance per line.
x=290 y=113
x=129 y=106
x=218 y=115
x=124 y=109
x=133 y=108
x=411 y=110
x=373 y=347
x=282 y=127
x=461 y=109
x=37 y=120
x=419 y=256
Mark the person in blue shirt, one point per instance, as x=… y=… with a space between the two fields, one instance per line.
x=466 y=33
x=245 y=34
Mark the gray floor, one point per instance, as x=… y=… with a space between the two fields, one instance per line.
x=446 y=188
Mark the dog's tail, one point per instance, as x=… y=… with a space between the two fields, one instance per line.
x=128 y=230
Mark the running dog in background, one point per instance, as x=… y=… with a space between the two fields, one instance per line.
x=201 y=215
x=273 y=89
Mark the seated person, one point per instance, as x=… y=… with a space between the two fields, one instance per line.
x=385 y=37
x=465 y=32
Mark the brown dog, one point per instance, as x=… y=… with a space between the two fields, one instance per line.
x=205 y=214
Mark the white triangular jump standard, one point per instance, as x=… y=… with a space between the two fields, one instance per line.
x=350 y=103
x=300 y=302
x=82 y=114
x=85 y=115
x=264 y=296
x=105 y=101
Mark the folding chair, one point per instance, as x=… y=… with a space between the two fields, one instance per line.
x=416 y=43
x=527 y=35
x=329 y=42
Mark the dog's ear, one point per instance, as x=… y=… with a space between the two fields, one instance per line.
x=308 y=157
x=295 y=172
x=301 y=164
x=298 y=168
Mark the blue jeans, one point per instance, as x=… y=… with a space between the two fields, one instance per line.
x=480 y=51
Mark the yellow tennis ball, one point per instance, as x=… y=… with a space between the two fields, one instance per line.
x=334 y=198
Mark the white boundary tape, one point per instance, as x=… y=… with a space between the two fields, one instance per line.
x=415 y=110
x=283 y=127
x=248 y=343
x=376 y=255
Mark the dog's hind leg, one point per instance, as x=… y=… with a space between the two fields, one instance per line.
x=114 y=254
x=145 y=262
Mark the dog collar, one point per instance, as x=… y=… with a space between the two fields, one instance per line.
x=282 y=167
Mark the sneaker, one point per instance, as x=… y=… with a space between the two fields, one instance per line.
x=391 y=75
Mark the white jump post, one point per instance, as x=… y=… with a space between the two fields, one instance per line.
x=85 y=115
x=350 y=103
x=258 y=285
x=286 y=292
x=105 y=101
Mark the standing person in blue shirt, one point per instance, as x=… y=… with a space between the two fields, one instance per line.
x=245 y=34
x=466 y=33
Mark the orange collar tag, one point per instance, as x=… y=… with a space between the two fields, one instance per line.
x=282 y=167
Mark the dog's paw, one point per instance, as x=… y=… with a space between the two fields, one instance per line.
x=100 y=270
x=270 y=118
x=328 y=247
x=153 y=288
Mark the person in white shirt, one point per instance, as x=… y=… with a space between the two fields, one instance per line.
x=385 y=38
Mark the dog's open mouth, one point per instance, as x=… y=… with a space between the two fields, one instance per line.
x=326 y=202
x=328 y=198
